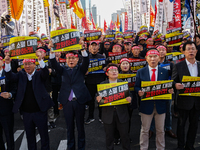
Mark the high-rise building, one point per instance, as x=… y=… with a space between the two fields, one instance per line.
x=114 y=17
x=99 y=21
x=90 y=8
x=83 y=4
x=94 y=13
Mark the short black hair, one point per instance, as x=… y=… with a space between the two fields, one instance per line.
x=198 y=35
x=8 y=16
x=112 y=64
x=188 y=43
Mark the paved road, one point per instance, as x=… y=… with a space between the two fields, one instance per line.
x=95 y=136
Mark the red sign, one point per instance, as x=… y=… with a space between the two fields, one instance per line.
x=126 y=22
x=176 y=22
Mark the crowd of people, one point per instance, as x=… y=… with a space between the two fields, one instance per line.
x=38 y=87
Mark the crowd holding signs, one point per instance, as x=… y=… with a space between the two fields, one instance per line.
x=122 y=71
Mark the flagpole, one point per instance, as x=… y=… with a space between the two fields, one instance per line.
x=192 y=12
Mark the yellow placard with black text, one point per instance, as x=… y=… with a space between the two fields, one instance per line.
x=156 y=90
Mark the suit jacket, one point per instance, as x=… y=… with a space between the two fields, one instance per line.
x=38 y=81
x=185 y=102
x=108 y=111
x=147 y=107
x=6 y=105
x=74 y=80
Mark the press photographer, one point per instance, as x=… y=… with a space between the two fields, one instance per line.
x=8 y=25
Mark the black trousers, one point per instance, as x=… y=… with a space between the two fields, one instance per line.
x=193 y=116
x=6 y=125
x=55 y=90
x=73 y=110
x=92 y=88
x=123 y=129
x=39 y=120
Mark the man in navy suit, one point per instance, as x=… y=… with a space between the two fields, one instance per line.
x=32 y=99
x=6 y=105
x=73 y=94
x=154 y=108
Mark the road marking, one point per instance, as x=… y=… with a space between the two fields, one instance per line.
x=17 y=134
x=24 y=145
x=62 y=145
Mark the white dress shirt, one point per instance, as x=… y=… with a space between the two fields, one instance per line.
x=151 y=72
x=42 y=65
x=1 y=71
x=192 y=68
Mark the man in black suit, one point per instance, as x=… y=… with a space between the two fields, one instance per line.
x=188 y=106
x=73 y=94
x=6 y=105
x=32 y=99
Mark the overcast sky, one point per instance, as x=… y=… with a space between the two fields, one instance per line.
x=106 y=7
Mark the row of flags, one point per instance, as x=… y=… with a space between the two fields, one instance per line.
x=55 y=13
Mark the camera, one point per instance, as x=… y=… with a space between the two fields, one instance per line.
x=2 y=22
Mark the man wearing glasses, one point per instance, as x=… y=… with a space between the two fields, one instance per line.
x=188 y=106
x=32 y=98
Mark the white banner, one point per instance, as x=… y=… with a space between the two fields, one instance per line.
x=129 y=14
x=23 y=29
x=78 y=22
x=46 y=11
x=136 y=15
x=148 y=14
x=29 y=17
x=52 y=16
x=35 y=15
x=69 y=18
x=63 y=11
x=41 y=24
x=168 y=10
x=143 y=6
x=3 y=8
x=159 y=17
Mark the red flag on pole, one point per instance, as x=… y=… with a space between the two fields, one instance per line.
x=72 y=23
x=105 y=26
x=94 y=27
x=155 y=10
x=112 y=25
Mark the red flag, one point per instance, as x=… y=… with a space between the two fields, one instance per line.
x=112 y=25
x=84 y=22
x=152 y=17
x=118 y=23
x=72 y=23
x=126 y=22
x=94 y=27
x=155 y=10
x=105 y=26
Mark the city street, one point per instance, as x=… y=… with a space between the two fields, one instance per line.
x=95 y=135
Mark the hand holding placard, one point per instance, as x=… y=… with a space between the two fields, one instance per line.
x=179 y=86
x=140 y=93
x=99 y=98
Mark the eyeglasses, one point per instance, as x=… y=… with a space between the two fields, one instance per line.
x=193 y=49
